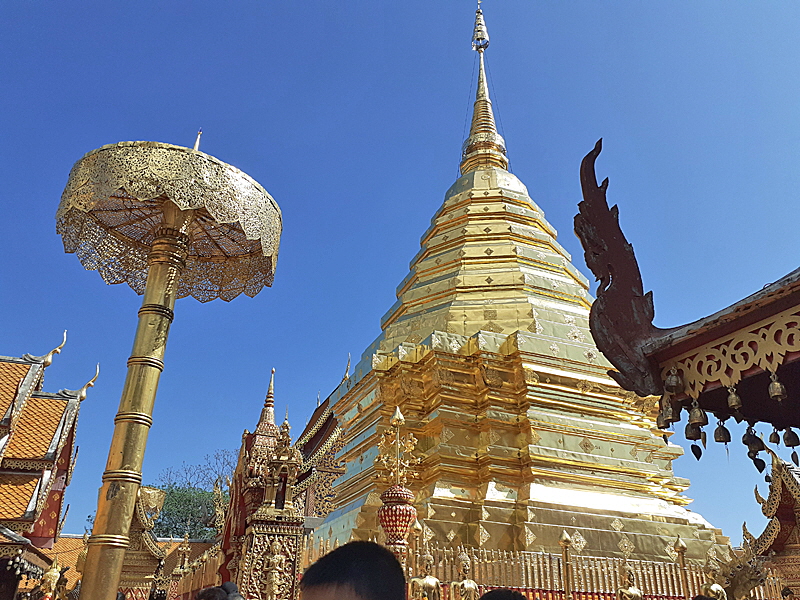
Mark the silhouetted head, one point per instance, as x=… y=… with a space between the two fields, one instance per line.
x=212 y=593
x=355 y=571
x=502 y=594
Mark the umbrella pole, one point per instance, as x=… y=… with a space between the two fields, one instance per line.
x=123 y=474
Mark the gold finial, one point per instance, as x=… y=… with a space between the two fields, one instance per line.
x=90 y=383
x=397 y=420
x=480 y=35
x=680 y=545
x=47 y=360
x=396 y=450
x=197 y=140
x=484 y=147
x=564 y=540
x=270 y=399
x=347 y=369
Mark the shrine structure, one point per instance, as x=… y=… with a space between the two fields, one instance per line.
x=37 y=456
x=278 y=492
x=488 y=353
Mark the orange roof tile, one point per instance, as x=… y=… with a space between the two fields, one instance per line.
x=35 y=429
x=10 y=376
x=67 y=550
x=16 y=491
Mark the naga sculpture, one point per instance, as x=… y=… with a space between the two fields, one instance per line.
x=621 y=319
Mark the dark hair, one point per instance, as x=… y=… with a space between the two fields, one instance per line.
x=502 y=594
x=212 y=593
x=370 y=570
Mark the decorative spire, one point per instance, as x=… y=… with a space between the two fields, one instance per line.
x=266 y=424
x=484 y=147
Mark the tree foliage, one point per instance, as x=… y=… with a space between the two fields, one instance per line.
x=189 y=503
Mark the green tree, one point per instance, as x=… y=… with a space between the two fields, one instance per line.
x=189 y=503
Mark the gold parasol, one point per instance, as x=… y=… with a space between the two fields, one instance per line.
x=171 y=222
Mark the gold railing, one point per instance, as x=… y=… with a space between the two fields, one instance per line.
x=540 y=575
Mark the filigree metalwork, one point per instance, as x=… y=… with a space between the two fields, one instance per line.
x=110 y=211
x=765 y=345
x=396 y=451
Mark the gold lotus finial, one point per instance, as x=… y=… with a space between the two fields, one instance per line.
x=197 y=140
x=680 y=545
x=564 y=540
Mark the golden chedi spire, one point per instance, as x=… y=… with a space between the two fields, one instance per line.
x=484 y=147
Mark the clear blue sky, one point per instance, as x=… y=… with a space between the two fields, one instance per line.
x=352 y=115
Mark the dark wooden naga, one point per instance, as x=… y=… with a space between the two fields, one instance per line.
x=621 y=319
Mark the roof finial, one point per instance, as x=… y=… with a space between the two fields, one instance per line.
x=197 y=140
x=347 y=369
x=317 y=397
x=48 y=358
x=90 y=383
x=268 y=412
x=484 y=148
x=480 y=35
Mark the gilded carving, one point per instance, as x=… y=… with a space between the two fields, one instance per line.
x=763 y=345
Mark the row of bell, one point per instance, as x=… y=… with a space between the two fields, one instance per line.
x=673 y=384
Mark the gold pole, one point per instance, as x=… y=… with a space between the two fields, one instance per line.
x=123 y=474
x=565 y=541
x=680 y=548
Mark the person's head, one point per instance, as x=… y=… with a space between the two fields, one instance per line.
x=212 y=593
x=355 y=571
x=502 y=594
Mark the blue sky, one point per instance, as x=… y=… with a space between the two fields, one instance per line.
x=352 y=115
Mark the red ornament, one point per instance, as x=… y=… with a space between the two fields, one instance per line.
x=397 y=515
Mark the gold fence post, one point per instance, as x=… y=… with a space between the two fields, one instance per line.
x=565 y=541
x=680 y=549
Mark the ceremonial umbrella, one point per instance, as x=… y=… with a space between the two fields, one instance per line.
x=170 y=222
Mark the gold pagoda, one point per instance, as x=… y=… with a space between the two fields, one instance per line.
x=488 y=354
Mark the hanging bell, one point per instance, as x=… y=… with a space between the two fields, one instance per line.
x=774 y=437
x=790 y=439
x=777 y=391
x=693 y=432
x=697 y=416
x=721 y=434
x=734 y=402
x=661 y=422
x=673 y=382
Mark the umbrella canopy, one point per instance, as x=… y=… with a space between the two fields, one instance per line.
x=111 y=209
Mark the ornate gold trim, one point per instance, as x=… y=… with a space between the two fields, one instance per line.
x=724 y=360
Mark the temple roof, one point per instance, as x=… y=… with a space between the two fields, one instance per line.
x=779 y=507
x=36 y=443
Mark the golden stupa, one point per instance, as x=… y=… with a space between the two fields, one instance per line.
x=487 y=352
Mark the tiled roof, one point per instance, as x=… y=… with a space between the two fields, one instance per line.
x=67 y=549
x=16 y=490
x=11 y=373
x=173 y=556
x=36 y=428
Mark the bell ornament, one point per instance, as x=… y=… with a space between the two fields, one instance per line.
x=734 y=401
x=722 y=434
x=697 y=416
x=673 y=382
x=790 y=439
x=692 y=432
x=777 y=391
